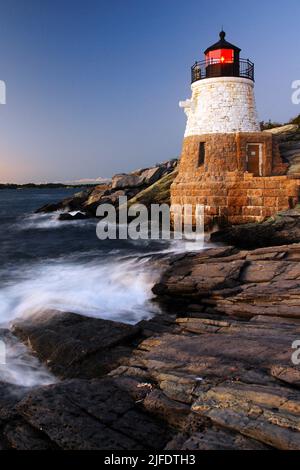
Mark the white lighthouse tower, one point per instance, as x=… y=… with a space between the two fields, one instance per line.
x=224 y=102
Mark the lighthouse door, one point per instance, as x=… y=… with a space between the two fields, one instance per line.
x=253 y=159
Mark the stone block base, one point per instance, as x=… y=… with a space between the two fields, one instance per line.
x=236 y=198
x=214 y=171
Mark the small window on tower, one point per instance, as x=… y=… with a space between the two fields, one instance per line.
x=201 y=157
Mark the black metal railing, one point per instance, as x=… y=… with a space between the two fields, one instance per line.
x=242 y=68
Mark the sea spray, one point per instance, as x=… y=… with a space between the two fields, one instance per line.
x=113 y=289
x=20 y=366
x=47 y=264
x=117 y=289
x=50 y=221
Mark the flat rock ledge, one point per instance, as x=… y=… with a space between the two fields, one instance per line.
x=215 y=371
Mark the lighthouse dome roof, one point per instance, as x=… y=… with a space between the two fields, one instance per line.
x=222 y=44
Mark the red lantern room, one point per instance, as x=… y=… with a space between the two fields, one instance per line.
x=222 y=59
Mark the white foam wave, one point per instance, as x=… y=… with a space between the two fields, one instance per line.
x=108 y=287
x=49 y=221
x=21 y=367
x=116 y=290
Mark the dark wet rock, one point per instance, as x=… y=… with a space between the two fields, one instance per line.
x=90 y=415
x=76 y=346
x=19 y=435
x=282 y=229
x=160 y=323
x=71 y=203
x=10 y=395
x=15 y=433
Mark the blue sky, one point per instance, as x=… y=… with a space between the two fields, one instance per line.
x=93 y=85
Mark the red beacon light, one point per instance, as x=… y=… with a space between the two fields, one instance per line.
x=222 y=58
x=225 y=56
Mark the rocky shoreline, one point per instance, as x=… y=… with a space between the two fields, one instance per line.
x=214 y=371
x=146 y=186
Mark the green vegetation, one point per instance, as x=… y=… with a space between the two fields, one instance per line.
x=157 y=193
x=265 y=125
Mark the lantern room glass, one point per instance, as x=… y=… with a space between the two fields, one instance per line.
x=220 y=56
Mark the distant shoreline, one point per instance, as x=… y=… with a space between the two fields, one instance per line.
x=46 y=185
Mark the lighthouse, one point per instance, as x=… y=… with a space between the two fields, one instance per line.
x=222 y=93
x=227 y=163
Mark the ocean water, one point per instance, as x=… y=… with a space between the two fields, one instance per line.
x=47 y=264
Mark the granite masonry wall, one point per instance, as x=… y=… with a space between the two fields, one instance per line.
x=222 y=184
